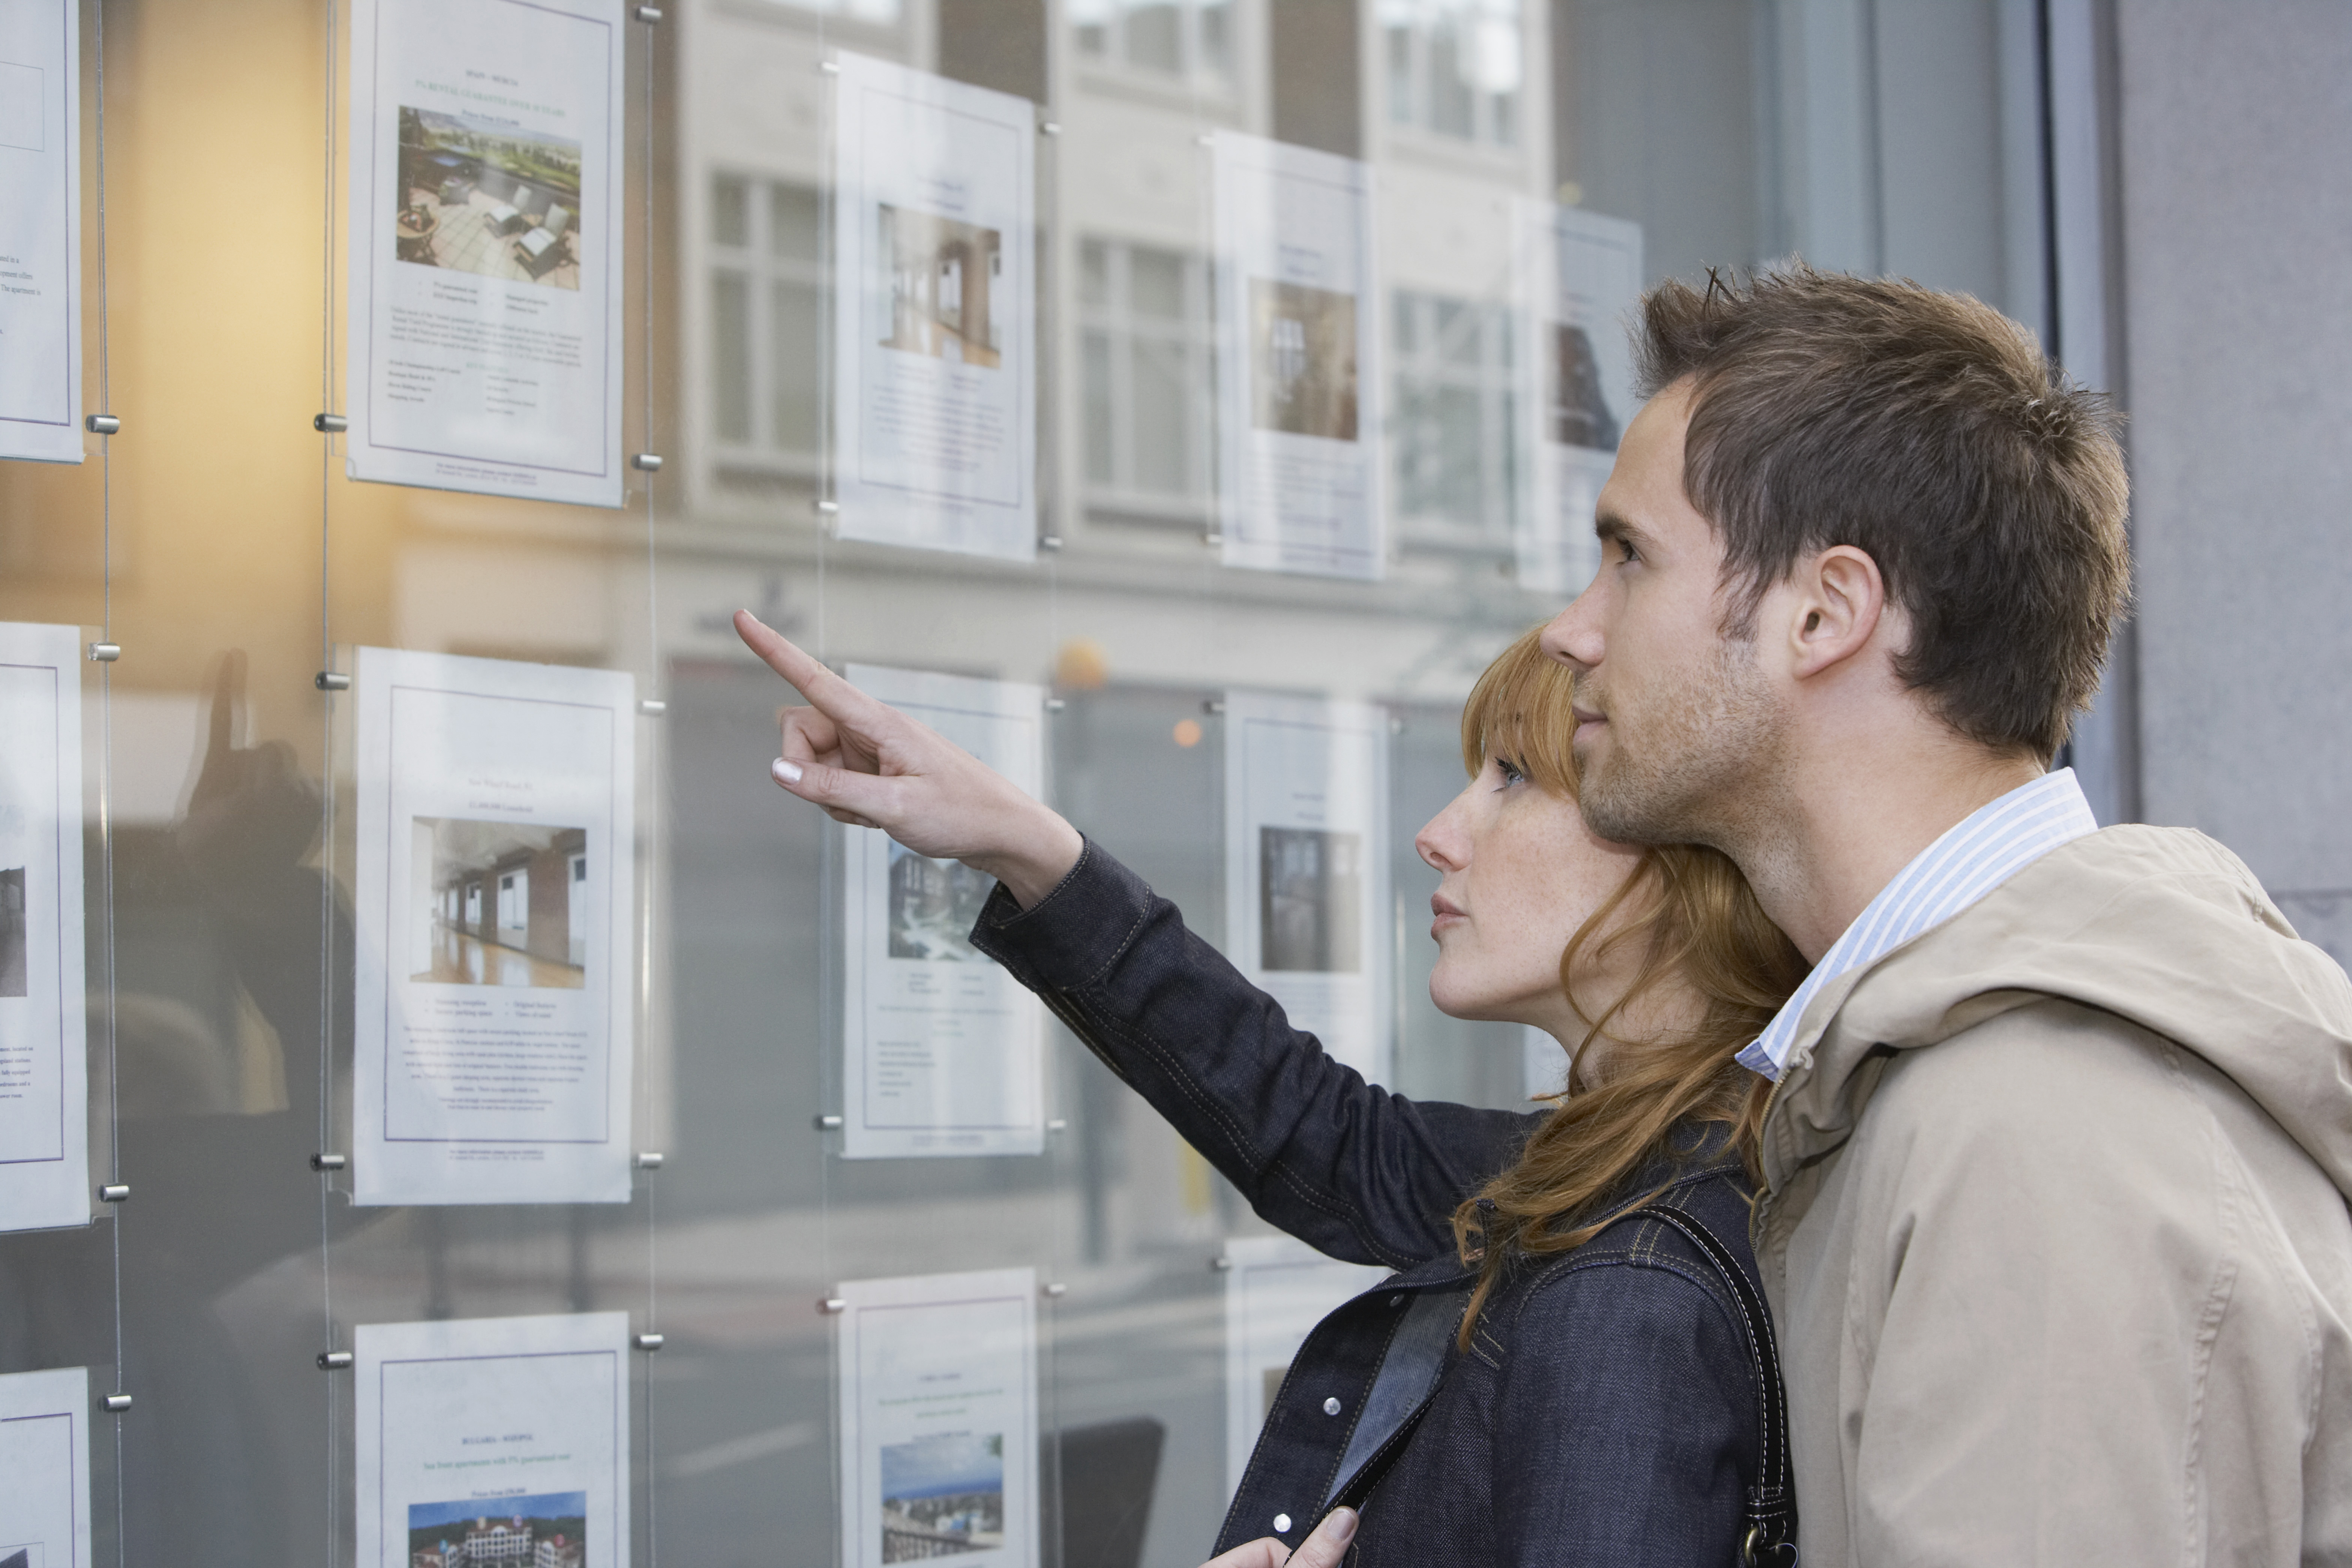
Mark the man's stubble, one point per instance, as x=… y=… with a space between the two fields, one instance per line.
x=1693 y=762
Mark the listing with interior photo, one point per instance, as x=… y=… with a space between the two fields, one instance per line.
x=45 y=1468
x=40 y=231
x=492 y=1017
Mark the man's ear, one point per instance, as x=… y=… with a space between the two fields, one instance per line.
x=1839 y=602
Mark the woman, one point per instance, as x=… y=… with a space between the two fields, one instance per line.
x=1542 y=1381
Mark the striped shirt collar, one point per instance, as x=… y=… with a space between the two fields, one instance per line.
x=1988 y=849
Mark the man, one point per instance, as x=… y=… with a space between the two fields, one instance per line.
x=2054 y=1225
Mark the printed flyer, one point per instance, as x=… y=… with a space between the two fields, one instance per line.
x=1277 y=1290
x=943 y=1051
x=44 y=1469
x=40 y=231
x=935 y=358
x=1579 y=281
x=938 y=1419
x=494 y=906
x=1307 y=867
x=1299 y=372
x=494 y=1440
x=44 y=1055
x=485 y=247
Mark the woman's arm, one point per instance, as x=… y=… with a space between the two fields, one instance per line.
x=1357 y=1172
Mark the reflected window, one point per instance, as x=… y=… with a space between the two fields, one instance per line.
x=1149 y=377
x=874 y=13
x=1170 y=37
x=767 y=321
x=1453 y=68
x=1451 y=431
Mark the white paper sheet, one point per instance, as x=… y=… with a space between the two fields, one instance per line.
x=1307 y=866
x=938 y=1419
x=497 y=827
x=44 y=1469
x=502 y=1440
x=943 y=1052
x=1277 y=1290
x=486 y=248
x=1579 y=283
x=40 y=230
x=935 y=359
x=44 y=1055
x=1298 y=370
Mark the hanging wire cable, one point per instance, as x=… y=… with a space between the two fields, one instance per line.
x=327 y=790
x=649 y=890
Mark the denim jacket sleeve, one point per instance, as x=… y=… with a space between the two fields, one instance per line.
x=1356 y=1171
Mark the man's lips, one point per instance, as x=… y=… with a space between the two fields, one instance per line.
x=1587 y=719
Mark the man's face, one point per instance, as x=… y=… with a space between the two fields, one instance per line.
x=1677 y=727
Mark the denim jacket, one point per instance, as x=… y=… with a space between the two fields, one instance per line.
x=1606 y=1410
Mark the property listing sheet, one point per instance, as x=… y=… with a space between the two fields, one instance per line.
x=935 y=358
x=40 y=230
x=494 y=1440
x=1579 y=281
x=1277 y=1289
x=493 y=891
x=943 y=1051
x=1299 y=376
x=938 y=1419
x=44 y=1059
x=1307 y=870
x=44 y=1469
x=485 y=247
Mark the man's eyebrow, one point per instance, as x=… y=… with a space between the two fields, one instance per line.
x=1614 y=528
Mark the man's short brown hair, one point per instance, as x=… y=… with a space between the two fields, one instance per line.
x=1929 y=431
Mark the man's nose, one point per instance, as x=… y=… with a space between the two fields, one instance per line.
x=1573 y=638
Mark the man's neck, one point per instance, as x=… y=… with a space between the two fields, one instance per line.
x=1848 y=817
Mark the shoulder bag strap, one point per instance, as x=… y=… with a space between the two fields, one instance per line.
x=1770 y=1538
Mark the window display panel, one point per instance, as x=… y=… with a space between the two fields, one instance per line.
x=493 y=908
x=486 y=287
x=43 y=1108
x=40 y=230
x=934 y=356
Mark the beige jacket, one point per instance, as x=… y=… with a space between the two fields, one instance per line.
x=2055 y=1229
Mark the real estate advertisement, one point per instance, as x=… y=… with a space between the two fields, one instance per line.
x=1298 y=374
x=44 y=1469
x=938 y=1419
x=485 y=247
x=44 y=1059
x=935 y=359
x=40 y=232
x=493 y=911
x=1578 y=282
x=1307 y=869
x=494 y=1440
x=943 y=1051
x=1277 y=1289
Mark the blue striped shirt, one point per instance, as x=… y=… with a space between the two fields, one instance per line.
x=1996 y=842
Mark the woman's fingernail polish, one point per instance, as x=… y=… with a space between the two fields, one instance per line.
x=786 y=773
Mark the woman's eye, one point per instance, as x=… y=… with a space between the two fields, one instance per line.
x=1509 y=771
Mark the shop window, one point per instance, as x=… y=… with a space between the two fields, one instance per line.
x=767 y=324
x=1167 y=38
x=1451 y=430
x=1149 y=377
x=1453 y=68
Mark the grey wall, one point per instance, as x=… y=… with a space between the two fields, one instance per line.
x=2237 y=219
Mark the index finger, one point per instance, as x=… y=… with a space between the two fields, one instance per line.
x=826 y=692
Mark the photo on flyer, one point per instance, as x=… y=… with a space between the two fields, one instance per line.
x=937 y=1417
x=1578 y=280
x=1298 y=363
x=493 y=911
x=943 y=1052
x=1306 y=884
x=934 y=330
x=494 y=1440
x=40 y=230
x=486 y=287
x=44 y=1055
x=45 y=1468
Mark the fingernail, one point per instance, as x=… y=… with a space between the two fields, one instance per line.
x=1340 y=1526
x=786 y=773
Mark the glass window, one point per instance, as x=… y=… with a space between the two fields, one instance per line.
x=1149 y=381
x=1455 y=68
x=1452 y=435
x=1165 y=38
x=767 y=326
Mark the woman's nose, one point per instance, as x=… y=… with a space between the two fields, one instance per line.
x=1441 y=843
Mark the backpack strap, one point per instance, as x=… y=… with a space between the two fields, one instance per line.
x=1770 y=1538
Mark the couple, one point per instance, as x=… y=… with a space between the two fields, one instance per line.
x=2048 y=1129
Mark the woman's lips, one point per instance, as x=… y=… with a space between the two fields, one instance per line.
x=1444 y=910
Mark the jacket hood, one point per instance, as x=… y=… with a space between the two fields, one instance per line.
x=2159 y=926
